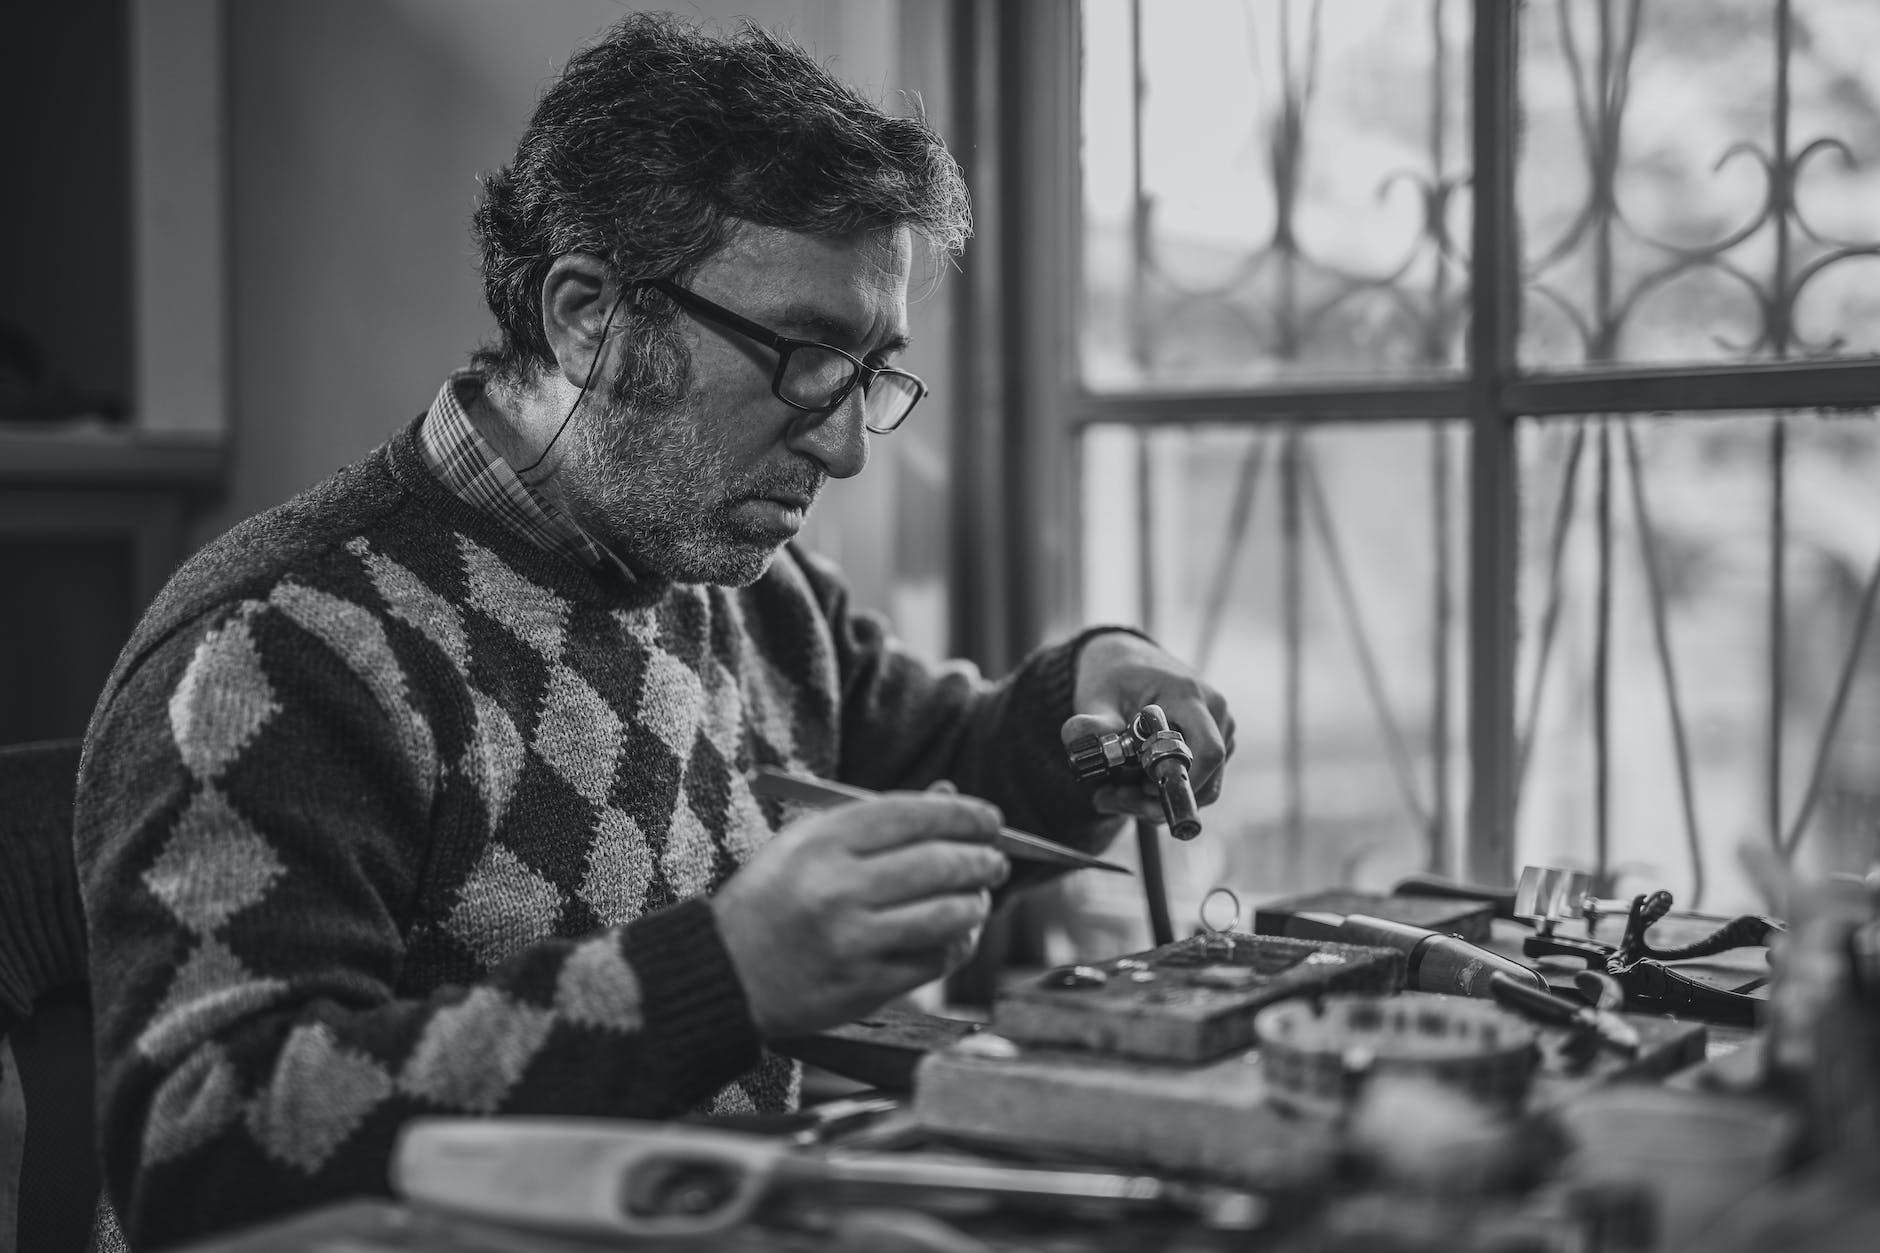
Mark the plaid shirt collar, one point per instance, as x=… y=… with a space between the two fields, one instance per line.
x=465 y=463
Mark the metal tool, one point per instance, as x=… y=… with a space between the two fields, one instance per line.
x=1546 y=896
x=1149 y=748
x=1433 y=962
x=595 y=1177
x=1542 y=897
x=824 y=793
x=1544 y=1007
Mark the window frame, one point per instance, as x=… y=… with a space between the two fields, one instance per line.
x=1032 y=73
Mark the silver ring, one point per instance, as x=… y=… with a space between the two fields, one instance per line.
x=1232 y=922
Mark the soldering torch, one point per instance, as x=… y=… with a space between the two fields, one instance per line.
x=1149 y=748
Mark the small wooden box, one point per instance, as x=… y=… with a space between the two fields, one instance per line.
x=1189 y=1001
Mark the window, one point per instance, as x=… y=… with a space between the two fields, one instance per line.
x=1480 y=394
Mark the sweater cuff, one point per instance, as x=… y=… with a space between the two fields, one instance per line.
x=1044 y=695
x=693 y=998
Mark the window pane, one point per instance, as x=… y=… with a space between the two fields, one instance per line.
x=1669 y=213
x=1316 y=578
x=1710 y=501
x=1287 y=212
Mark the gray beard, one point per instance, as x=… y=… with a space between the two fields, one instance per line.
x=650 y=482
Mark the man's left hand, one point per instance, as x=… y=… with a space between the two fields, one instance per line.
x=1117 y=674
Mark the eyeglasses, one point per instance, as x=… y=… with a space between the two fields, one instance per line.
x=810 y=376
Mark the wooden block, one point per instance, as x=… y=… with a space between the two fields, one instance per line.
x=1472 y=920
x=1198 y=1000
x=1212 y=1119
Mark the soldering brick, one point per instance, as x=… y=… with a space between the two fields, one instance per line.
x=1190 y=1001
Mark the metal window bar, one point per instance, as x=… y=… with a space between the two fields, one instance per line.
x=1661 y=642
x=1397 y=747
x=1492 y=393
x=1299 y=490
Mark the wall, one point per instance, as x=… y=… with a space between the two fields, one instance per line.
x=357 y=129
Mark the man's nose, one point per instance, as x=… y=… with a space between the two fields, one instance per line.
x=837 y=440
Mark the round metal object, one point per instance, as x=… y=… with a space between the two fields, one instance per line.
x=1318 y=1055
x=1231 y=900
x=1076 y=977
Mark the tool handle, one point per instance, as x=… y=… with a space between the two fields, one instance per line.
x=1436 y=962
x=1532 y=1002
x=1456 y=890
x=586 y=1176
x=1744 y=931
x=827 y=793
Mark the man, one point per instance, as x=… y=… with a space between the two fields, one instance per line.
x=425 y=792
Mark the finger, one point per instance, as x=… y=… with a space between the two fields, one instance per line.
x=1196 y=720
x=1082 y=726
x=913 y=872
x=944 y=786
x=899 y=818
x=930 y=926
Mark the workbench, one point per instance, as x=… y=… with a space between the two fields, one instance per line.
x=1701 y=1151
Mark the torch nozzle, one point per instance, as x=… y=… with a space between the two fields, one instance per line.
x=1148 y=749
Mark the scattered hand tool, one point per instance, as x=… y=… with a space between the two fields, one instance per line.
x=1594 y=1026
x=825 y=794
x=617 y=1177
x=1433 y=962
x=1149 y=748
x=1546 y=896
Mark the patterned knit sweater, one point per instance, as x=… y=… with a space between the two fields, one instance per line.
x=386 y=812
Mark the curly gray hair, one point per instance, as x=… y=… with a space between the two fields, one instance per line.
x=656 y=142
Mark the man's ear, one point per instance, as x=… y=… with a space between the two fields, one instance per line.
x=577 y=295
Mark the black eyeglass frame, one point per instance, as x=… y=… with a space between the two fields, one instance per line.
x=784 y=346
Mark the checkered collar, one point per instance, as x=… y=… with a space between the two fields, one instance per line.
x=477 y=474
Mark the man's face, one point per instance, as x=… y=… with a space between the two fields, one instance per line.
x=706 y=490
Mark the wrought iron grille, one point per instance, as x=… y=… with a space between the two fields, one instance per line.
x=1342 y=224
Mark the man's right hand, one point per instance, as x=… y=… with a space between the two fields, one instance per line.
x=845 y=910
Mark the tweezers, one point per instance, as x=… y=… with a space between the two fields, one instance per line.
x=824 y=793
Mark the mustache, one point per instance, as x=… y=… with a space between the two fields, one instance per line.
x=799 y=481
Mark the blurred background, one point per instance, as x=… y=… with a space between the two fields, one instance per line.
x=1480 y=394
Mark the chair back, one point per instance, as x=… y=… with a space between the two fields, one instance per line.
x=49 y=1175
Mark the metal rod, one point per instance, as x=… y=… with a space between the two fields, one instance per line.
x=1398 y=751
x=828 y=793
x=1435 y=855
x=1778 y=623
x=1850 y=670
x=1698 y=391
x=1494 y=539
x=1781 y=313
x=1239 y=530
x=1292 y=618
x=1602 y=662
x=1154 y=882
x=1550 y=616
x=1435 y=858
x=1851 y=384
x=1661 y=641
